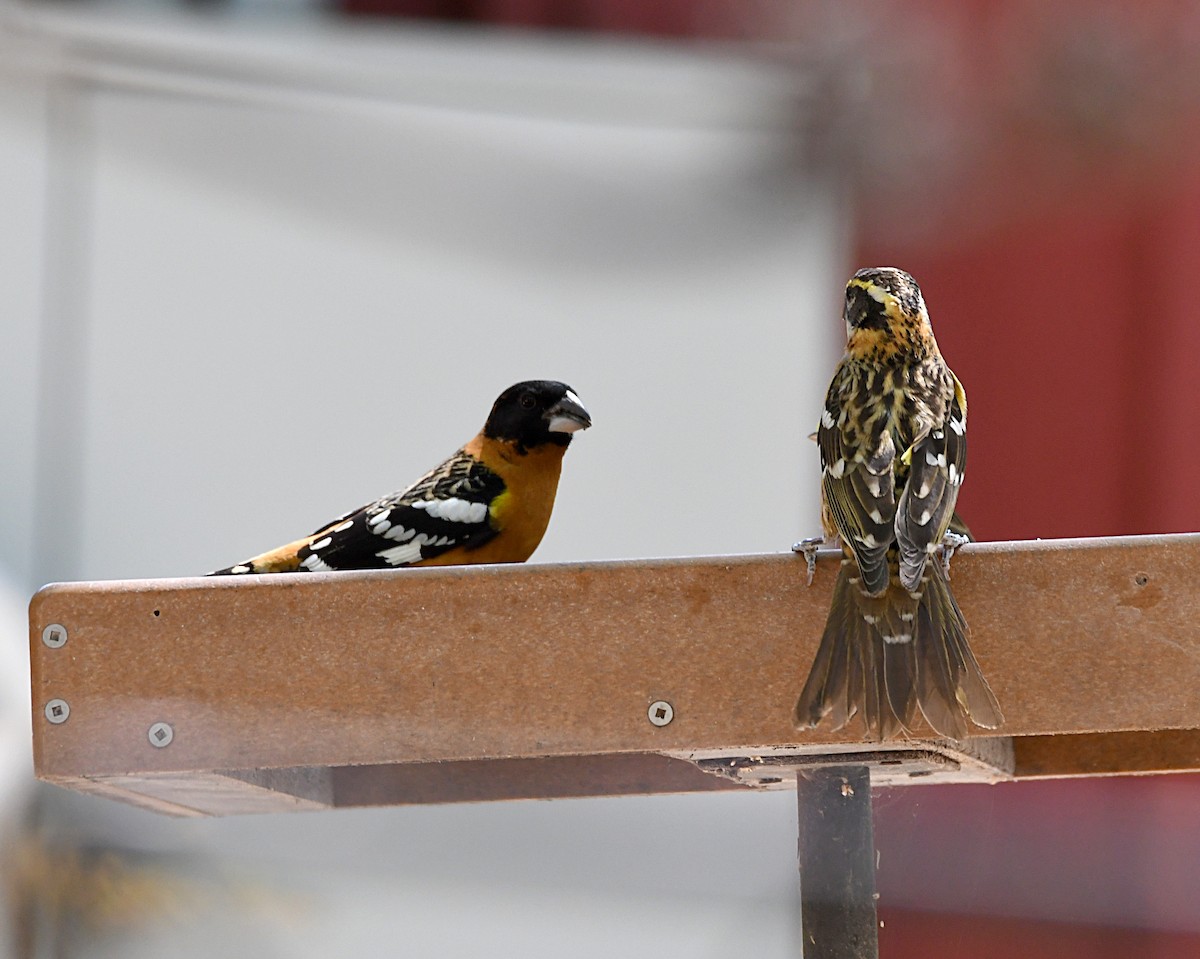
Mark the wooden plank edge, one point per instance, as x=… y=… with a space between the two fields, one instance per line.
x=200 y=793
x=989 y=759
x=1131 y=753
x=277 y=581
x=552 y=777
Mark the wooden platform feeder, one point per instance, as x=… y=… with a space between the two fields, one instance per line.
x=258 y=694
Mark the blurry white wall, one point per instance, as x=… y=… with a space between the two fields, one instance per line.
x=23 y=169
x=270 y=276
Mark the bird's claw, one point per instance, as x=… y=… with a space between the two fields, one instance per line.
x=809 y=548
x=950 y=544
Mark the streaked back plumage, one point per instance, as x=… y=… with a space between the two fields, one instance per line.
x=892 y=438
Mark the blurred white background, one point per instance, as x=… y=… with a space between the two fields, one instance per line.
x=255 y=274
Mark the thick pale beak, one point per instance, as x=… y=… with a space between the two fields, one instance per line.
x=567 y=415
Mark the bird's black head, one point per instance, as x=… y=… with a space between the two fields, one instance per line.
x=880 y=295
x=536 y=412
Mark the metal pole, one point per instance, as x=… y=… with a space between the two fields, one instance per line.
x=837 y=863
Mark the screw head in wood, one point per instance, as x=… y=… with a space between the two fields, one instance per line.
x=58 y=711
x=160 y=735
x=660 y=712
x=55 y=635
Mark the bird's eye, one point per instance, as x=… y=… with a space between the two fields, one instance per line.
x=527 y=401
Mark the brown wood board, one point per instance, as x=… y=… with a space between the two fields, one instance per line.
x=523 y=662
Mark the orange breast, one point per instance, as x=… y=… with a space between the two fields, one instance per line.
x=522 y=512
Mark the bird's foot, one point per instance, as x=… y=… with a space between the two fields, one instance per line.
x=950 y=544
x=809 y=548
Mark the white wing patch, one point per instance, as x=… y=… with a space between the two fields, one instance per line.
x=453 y=509
x=380 y=525
x=315 y=564
x=410 y=552
x=398 y=555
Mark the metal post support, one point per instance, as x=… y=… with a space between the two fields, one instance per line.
x=837 y=863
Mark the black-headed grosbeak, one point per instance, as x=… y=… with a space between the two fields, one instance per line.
x=488 y=503
x=893 y=444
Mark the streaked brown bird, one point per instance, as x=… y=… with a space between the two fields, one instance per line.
x=893 y=446
x=490 y=502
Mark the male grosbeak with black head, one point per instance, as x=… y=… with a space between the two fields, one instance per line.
x=490 y=502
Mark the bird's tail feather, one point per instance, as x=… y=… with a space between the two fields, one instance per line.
x=963 y=688
x=888 y=656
